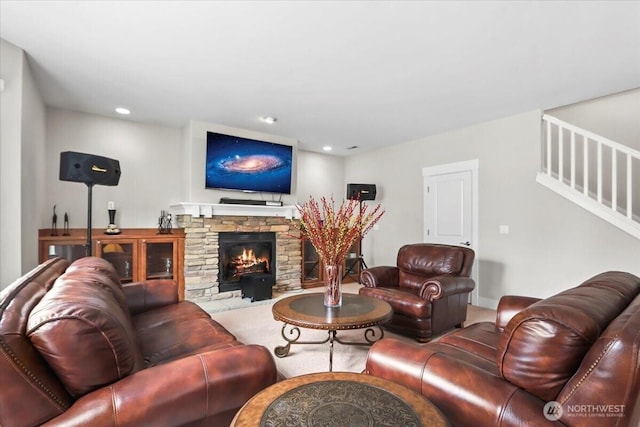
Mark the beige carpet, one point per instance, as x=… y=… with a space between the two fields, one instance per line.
x=255 y=325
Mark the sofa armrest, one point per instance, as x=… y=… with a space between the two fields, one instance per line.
x=509 y=306
x=442 y=286
x=468 y=390
x=380 y=277
x=177 y=393
x=150 y=294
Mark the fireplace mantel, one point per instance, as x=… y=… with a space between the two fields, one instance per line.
x=209 y=210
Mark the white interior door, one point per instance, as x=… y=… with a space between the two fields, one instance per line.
x=450 y=208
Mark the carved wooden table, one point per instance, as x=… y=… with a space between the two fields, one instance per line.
x=338 y=399
x=309 y=311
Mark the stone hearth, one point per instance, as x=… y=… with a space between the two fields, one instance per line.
x=201 y=252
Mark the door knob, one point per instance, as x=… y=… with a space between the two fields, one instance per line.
x=467 y=243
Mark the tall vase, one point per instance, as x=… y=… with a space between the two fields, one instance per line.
x=333 y=285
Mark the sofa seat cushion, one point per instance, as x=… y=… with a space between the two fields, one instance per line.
x=481 y=339
x=402 y=301
x=157 y=317
x=175 y=331
x=543 y=345
x=78 y=318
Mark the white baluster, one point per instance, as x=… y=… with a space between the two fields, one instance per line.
x=548 y=148
x=629 y=181
x=573 y=160
x=614 y=179
x=585 y=176
x=560 y=154
x=599 y=166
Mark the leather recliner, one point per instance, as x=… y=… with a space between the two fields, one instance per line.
x=428 y=289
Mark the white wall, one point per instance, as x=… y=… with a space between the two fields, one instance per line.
x=320 y=175
x=22 y=124
x=149 y=159
x=552 y=244
x=160 y=166
x=10 y=166
x=33 y=166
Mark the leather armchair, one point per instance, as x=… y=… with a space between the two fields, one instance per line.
x=428 y=289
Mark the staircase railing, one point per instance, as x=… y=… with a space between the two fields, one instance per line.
x=599 y=174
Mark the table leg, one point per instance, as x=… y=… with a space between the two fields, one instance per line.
x=283 y=350
x=332 y=336
x=369 y=336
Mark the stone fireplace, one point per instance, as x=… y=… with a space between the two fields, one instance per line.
x=206 y=234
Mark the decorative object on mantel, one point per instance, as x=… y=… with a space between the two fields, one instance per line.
x=332 y=233
x=164 y=223
x=65 y=231
x=111 y=228
x=54 y=222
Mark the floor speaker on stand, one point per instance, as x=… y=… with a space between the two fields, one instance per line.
x=90 y=170
x=360 y=192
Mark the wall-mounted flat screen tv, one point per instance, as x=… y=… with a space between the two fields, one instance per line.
x=235 y=163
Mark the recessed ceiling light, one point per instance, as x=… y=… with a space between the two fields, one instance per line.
x=327 y=148
x=122 y=110
x=269 y=119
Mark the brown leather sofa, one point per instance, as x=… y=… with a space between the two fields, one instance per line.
x=428 y=289
x=78 y=348
x=572 y=359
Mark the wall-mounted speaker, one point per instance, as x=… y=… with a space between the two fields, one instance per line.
x=364 y=191
x=89 y=169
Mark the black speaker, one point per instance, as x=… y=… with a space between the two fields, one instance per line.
x=365 y=191
x=88 y=168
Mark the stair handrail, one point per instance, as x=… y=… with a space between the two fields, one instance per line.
x=594 y=136
x=601 y=141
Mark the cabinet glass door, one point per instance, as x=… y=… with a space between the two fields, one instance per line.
x=311 y=263
x=160 y=259
x=121 y=255
x=352 y=263
x=69 y=251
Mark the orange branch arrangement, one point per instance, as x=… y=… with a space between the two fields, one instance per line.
x=332 y=232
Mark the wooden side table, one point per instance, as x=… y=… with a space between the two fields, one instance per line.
x=338 y=398
x=309 y=311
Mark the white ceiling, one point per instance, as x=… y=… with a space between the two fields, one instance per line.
x=359 y=73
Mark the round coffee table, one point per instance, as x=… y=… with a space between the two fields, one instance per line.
x=338 y=399
x=309 y=311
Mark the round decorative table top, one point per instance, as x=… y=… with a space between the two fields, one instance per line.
x=309 y=311
x=337 y=399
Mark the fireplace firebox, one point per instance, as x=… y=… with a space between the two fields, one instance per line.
x=245 y=255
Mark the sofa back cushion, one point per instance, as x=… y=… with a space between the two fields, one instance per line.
x=101 y=273
x=542 y=347
x=83 y=333
x=419 y=261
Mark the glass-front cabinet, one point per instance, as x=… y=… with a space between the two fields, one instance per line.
x=136 y=254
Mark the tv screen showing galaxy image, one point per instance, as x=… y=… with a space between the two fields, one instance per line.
x=235 y=163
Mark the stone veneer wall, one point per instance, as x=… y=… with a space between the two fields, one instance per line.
x=201 y=252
